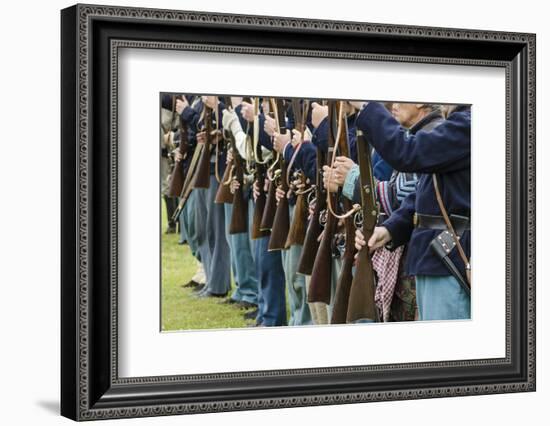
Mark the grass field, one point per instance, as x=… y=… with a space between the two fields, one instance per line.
x=181 y=310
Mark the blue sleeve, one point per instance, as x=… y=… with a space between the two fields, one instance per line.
x=191 y=117
x=308 y=160
x=352 y=143
x=244 y=124
x=381 y=170
x=441 y=150
x=289 y=152
x=320 y=135
x=400 y=224
x=265 y=139
x=166 y=102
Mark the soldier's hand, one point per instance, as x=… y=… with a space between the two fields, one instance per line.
x=247 y=111
x=235 y=100
x=181 y=104
x=255 y=190
x=296 y=137
x=320 y=237
x=311 y=209
x=234 y=185
x=342 y=166
x=380 y=237
x=280 y=141
x=201 y=137
x=210 y=101
x=216 y=136
x=359 y=240
x=298 y=184
x=279 y=194
x=270 y=126
x=318 y=113
x=177 y=156
x=329 y=181
x=229 y=157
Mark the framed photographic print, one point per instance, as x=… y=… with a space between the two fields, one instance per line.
x=263 y=212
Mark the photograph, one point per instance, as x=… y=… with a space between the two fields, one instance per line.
x=312 y=212
x=265 y=211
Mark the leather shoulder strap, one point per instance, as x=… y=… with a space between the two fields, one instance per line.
x=450 y=226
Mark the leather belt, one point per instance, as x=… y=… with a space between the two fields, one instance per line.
x=428 y=221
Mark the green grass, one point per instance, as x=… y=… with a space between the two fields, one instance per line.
x=181 y=310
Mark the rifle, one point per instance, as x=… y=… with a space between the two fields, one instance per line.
x=188 y=184
x=202 y=175
x=177 y=177
x=281 y=221
x=297 y=231
x=317 y=221
x=271 y=199
x=224 y=195
x=239 y=214
x=343 y=285
x=320 y=284
x=361 y=299
x=259 y=177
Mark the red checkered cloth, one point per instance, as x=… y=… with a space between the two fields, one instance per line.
x=386 y=265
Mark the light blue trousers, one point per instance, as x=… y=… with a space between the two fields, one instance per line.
x=271 y=297
x=441 y=298
x=242 y=262
x=296 y=285
x=335 y=274
x=213 y=247
x=187 y=225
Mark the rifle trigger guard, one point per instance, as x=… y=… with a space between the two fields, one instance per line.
x=323 y=216
x=358 y=219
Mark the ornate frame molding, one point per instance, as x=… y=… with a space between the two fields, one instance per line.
x=78 y=24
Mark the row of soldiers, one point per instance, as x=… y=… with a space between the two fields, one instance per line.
x=356 y=211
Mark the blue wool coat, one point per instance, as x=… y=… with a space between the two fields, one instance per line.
x=192 y=116
x=305 y=159
x=444 y=150
x=381 y=169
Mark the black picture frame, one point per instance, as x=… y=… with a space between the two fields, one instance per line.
x=90 y=386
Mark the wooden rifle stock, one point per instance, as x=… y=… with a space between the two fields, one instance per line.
x=259 y=206
x=314 y=227
x=224 y=195
x=188 y=184
x=239 y=215
x=281 y=221
x=270 y=202
x=259 y=179
x=321 y=275
x=361 y=305
x=297 y=231
x=343 y=285
x=202 y=174
x=177 y=178
x=270 y=207
x=271 y=199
